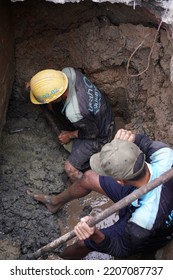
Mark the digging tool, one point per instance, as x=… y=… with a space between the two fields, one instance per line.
x=50 y=120
x=166 y=176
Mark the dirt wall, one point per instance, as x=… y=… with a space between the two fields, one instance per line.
x=100 y=39
x=6 y=59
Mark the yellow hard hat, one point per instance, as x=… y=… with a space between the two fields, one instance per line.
x=47 y=85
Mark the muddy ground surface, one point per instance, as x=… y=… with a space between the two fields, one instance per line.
x=30 y=156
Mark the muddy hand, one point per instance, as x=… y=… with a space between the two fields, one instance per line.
x=83 y=230
x=124 y=134
x=64 y=137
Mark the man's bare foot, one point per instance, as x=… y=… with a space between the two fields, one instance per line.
x=48 y=200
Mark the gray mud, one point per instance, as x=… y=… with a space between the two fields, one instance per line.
x=31 y=157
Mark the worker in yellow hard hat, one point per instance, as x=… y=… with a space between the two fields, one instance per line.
x=85 y=108
x=47 y=86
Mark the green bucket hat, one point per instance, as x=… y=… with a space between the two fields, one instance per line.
x=119 y=159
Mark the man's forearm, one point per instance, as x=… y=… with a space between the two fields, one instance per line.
x=73 y=134
x=98 y=236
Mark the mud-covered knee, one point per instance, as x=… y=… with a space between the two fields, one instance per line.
x=73 y=173
x=69 y=167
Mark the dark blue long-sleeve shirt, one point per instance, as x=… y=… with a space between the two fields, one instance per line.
x=150 y=224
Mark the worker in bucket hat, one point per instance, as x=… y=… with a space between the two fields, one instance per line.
x=126 y=163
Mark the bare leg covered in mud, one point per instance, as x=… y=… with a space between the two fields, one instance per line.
x=73 y=173
x=82 y=187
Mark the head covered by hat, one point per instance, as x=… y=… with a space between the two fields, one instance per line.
x=119 y=159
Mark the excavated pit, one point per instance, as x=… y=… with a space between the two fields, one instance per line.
x=99 y=39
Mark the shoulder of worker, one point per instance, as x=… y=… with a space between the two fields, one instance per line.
x=68 y=69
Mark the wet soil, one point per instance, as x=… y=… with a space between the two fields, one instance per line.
x=30 y=156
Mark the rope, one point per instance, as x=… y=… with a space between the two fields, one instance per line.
x=151 y=51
